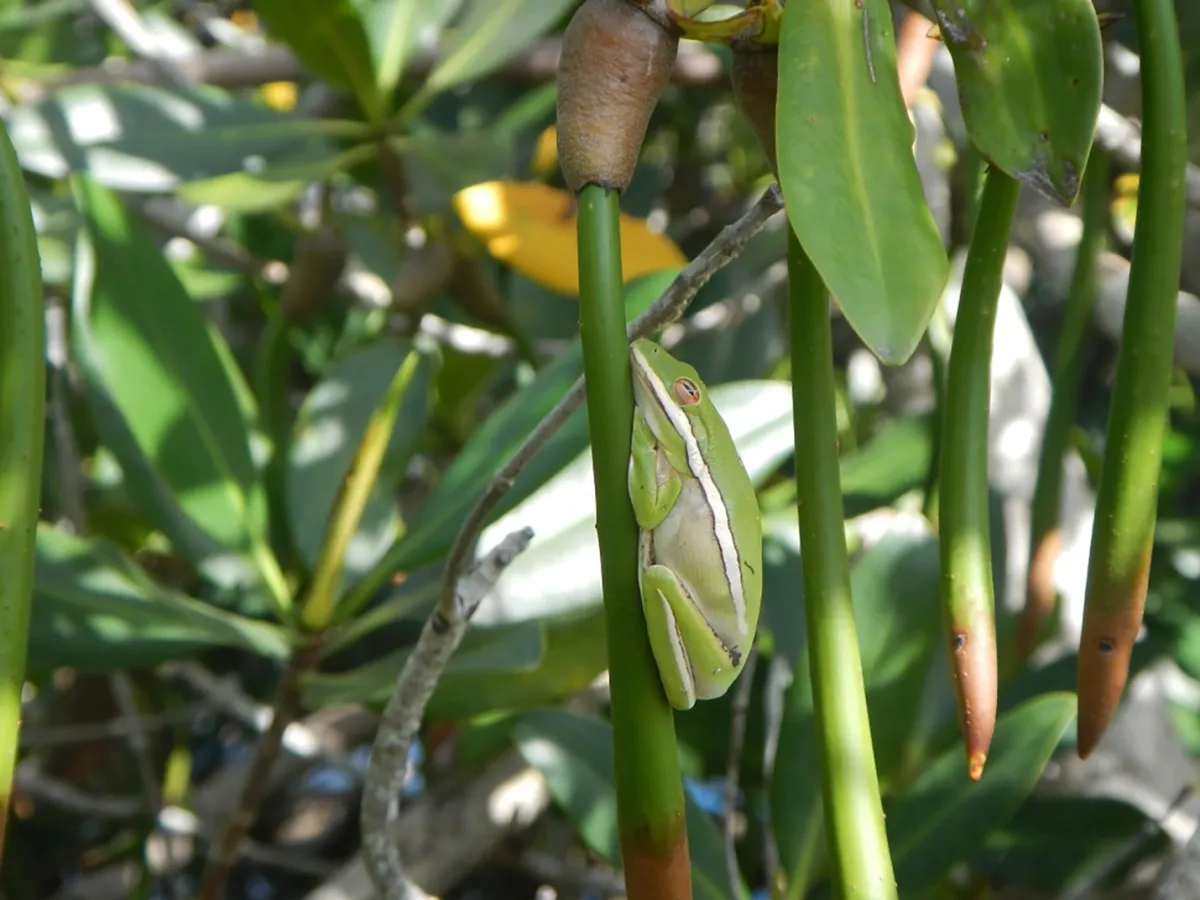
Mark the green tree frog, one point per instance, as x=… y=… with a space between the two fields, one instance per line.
x=700 y=550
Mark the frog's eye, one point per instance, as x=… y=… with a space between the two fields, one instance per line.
x=686 y=392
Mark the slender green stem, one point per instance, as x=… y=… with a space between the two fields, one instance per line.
x=963 y=521
x=1067 y=374
x=22 y=424
x=1127 y=497
x=860 y=863
x=650 y=806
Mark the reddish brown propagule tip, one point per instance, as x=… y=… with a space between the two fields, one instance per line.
x=614 y=65
x=1104 y=651
x=973 y=657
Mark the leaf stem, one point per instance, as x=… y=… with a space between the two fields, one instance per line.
x=1127 y=497
x=964 y=527
x=650 y=808
x=860 y=862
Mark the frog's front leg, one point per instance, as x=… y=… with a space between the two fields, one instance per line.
x=653 y=484
x=693 y=662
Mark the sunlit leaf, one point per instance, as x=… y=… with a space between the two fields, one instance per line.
x=854 y=196
x=133 y=137
x=1029 y=74
x=95 y=610
x=329 y=426
x=396 y=29
x=147 y=352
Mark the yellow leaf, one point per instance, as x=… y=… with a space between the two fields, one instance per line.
x=530 y=227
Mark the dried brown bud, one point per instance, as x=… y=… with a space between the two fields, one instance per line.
x=614 y=66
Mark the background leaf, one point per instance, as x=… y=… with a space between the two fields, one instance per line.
x=95 y=610
x=149 y=350
x=942 y=817
x=329 y=37
x=146 y=138
x=329 y=427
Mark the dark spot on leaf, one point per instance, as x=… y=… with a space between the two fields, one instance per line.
x=1043 y=136
x=1106 y=646
x=735 y=656
x=960 y=641
x=1075 y=81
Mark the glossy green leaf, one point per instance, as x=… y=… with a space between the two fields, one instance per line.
x=491 y=33
x=943 y=817
x=147 y=352
x=146 y=138
x=575 y=755
x=1029 y=76
x=329 y=37
x=854 y=197
x=396 y=29
x=329 y=427
x=95 y=610
x=894 y=586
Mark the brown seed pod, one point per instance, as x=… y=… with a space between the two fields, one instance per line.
x=614 y=66
x=754 y=72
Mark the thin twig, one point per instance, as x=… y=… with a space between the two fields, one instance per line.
x=223 y=852
x=733 y=769
x=122 y=689
x=402 y=716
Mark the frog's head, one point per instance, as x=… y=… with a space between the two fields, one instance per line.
x=672 y=397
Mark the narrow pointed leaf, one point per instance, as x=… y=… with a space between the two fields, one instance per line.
x=95 y=610
x=854 y=196
x=148 y=356
x=396 y=29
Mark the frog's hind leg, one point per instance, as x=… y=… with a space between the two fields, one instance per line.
x=666 y=640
